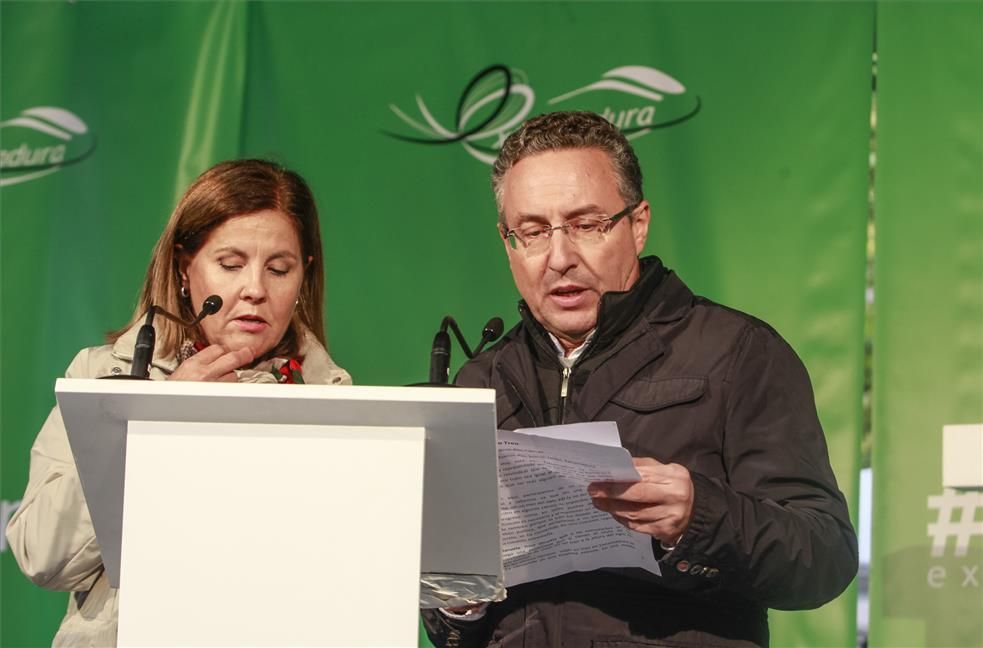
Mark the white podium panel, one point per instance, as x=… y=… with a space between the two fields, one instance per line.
x=317 y=527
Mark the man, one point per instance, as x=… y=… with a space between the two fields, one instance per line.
x=736 y=491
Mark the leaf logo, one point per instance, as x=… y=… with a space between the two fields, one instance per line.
x=492 y=105
x=671 y=104
x=498 y=99
x=43 y=140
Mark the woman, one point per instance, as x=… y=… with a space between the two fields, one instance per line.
x=247 y=231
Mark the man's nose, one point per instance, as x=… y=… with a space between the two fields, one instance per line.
x=563 y=252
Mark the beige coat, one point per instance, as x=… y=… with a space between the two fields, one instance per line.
x=51 y=534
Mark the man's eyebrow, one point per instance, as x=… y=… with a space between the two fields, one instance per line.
x=585 y=210
x=573 y=213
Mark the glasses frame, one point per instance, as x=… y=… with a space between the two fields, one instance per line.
x=512 y=236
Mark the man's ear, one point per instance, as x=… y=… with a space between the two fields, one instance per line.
x=640 y=225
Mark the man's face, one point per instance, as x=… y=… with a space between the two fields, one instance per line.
x=563 y=283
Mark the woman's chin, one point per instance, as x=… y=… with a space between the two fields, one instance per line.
x=256 y=344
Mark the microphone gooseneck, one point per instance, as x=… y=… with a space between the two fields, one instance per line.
x=143 y=350
x=440 y=352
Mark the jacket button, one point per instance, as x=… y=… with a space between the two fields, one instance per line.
x=683 y=566
x=696 y=570
x=116 y=371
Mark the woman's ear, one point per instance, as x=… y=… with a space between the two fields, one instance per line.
x=182 y=261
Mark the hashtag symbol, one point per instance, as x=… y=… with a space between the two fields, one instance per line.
x=946 y=526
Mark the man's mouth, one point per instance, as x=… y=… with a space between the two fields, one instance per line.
x=569 y=296
x=567 y=290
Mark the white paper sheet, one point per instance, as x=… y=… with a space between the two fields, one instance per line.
x=548 y=524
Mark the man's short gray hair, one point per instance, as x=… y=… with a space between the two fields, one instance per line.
x=569 y=130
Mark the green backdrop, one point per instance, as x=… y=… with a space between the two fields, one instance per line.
x=750 y=120
x=928 y=334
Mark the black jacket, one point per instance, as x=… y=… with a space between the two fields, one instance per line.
x=691 y=382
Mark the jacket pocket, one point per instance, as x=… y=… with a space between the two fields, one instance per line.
x=650 y=395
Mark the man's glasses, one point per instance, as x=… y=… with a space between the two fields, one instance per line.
x=587 y=229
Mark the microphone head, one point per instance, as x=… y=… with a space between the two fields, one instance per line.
x=211 y=305
x=493 y=329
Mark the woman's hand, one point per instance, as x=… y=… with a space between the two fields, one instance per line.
x=213 y=364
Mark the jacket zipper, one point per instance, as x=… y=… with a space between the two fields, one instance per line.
x=563 y=393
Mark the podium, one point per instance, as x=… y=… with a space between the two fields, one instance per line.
x=268 y=515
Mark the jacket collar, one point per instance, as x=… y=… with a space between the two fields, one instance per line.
x=624 y=319
x=658 y=294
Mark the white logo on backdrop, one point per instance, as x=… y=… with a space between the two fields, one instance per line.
x=956 y=520
x=41 y=141
x=638 y=80
x=956 y=524
x=499 y=98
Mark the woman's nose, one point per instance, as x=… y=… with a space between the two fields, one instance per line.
x=254 y=285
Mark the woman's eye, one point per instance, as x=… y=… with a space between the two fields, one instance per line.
x=229 y=266
x=279 y=271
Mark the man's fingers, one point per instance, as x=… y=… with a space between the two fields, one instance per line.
x=637 y=492
x=665 y=522
x=615 y=490
x=646 y=462
x=653 y=470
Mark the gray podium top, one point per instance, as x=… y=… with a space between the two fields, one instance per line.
x=460 y=501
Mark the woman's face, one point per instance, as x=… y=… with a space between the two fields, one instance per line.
x=253 y=262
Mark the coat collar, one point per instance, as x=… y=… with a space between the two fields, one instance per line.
x=658 y=294
x=625 y=319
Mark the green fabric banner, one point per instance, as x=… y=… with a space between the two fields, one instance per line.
x=926 y=587
x=104 y=114
x=750 y=120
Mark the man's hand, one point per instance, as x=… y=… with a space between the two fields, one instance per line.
x=660 y=505
x=213 y=364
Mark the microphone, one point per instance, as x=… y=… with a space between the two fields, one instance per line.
x=143 y=350
x=492 y=331
x=440 y=351
x=440 y=358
